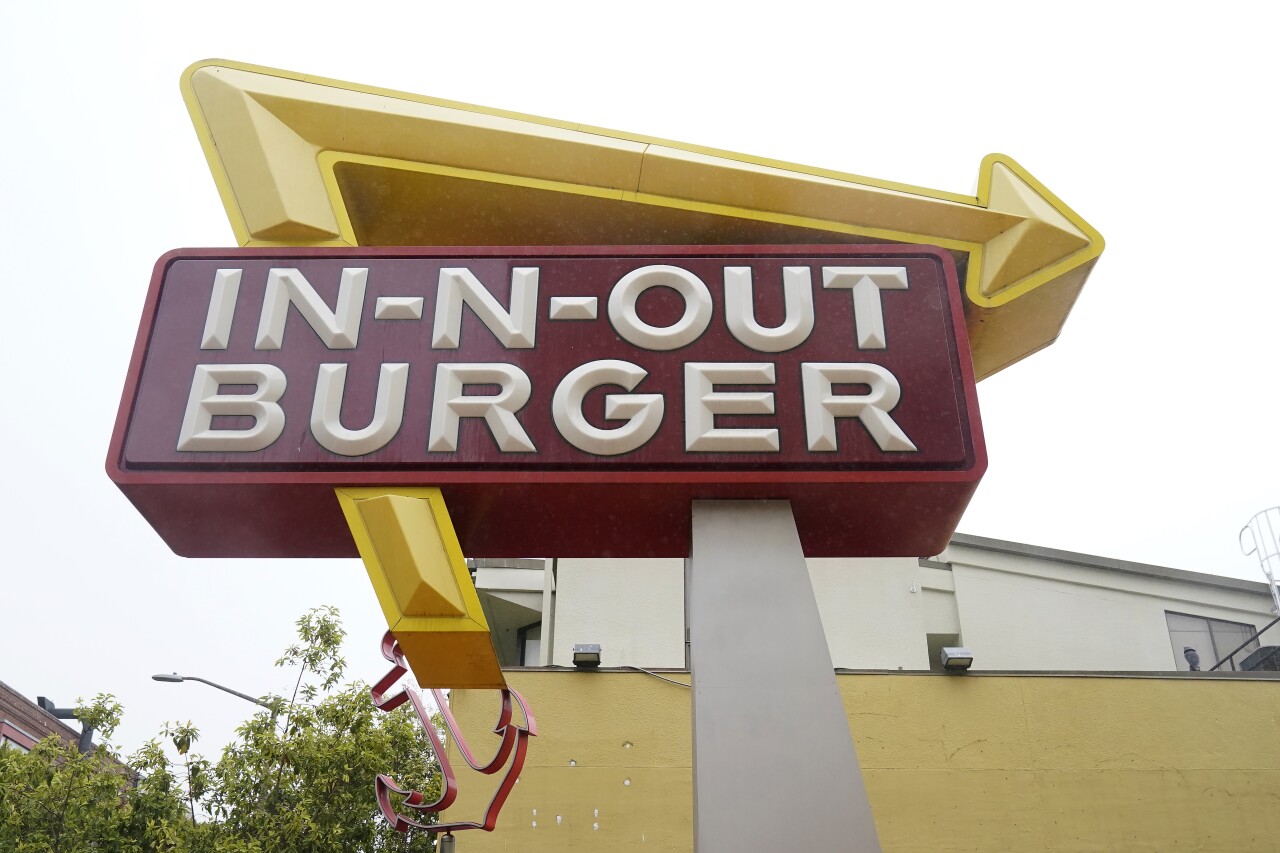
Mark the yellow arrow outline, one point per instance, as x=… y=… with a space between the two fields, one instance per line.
x=276 y=140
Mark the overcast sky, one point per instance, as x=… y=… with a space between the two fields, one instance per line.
x=1146 y=433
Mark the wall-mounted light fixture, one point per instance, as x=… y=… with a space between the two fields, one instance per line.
x=956 y=658
x=586 y=655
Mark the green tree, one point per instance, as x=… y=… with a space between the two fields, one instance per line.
x=299 y=776
x=56 y=799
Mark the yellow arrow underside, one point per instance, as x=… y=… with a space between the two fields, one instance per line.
x=304 y=162
x=414 y=560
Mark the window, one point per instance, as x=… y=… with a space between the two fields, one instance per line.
x=529 y=642
x=1209 y=639
x=13 y=737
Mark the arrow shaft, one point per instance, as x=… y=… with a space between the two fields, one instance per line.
x=524 y=148
x=865 y=206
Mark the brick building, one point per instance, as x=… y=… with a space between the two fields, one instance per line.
x=23 y=723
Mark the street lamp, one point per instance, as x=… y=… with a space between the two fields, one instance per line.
x=173 y=677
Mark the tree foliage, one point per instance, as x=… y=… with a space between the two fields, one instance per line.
x=56 y=799
x=298 y=777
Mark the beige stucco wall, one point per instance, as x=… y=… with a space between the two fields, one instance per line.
x=951 y=763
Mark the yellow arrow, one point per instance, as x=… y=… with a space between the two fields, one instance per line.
x=302 y=161
x=410 y=549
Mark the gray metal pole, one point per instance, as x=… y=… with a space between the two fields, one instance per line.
x=224 y=689
x=174 y=678
x=773 y=760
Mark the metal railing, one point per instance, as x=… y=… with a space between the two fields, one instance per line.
x=1237 y=649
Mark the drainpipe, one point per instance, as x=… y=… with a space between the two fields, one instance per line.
x=86 y=731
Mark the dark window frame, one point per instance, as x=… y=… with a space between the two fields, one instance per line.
x=522 y=637
x=12 y=734
x=1213 y=639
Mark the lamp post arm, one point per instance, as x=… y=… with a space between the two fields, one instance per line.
x=243 y=696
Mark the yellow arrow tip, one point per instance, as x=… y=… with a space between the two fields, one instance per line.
x=1048 y=235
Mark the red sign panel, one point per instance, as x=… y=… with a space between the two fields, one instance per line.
x=568 y=401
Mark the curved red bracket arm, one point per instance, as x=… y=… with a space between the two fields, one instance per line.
x=513 y=744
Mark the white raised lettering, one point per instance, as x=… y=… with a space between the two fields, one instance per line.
x=388 y=410
x=514 y=329
x=866 y=284
x=205 y=402
x=822 y=405
x=702 y=403
x=222 y=308
x=643 y=411
x=627 y=292
x=740 y=312
x=337 y=329
x=451 y=404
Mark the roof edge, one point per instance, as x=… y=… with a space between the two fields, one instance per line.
x=1039 y=552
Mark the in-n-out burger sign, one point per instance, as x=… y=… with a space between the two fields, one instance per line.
x=568 y=401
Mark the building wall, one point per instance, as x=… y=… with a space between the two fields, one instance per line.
x=633 y=608
x=24 y=723
x=1029 y=613
x=951 y=763
x=872 y=612
x=1017 y=607
x=512 y=598
x=610 y=769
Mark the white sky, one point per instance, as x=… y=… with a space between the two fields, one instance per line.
x=1145 y=433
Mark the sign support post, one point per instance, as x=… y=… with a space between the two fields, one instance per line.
x=769 y=727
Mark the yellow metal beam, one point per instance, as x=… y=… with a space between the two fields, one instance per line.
x=304 y=161
x=415 y=563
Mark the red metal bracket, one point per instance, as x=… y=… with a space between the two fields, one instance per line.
x=514 y=744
